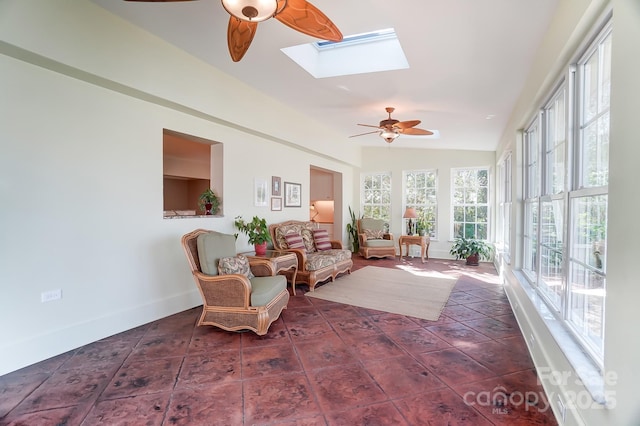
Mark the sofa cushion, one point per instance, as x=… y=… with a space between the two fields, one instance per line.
x=264 y=289
x=374 y=234
x=294 y=241
x=321 y=239
x=307 y=239
x=211 y=247
x=324 y=258
x=235 y=265
x=297 y=228
x=372 y=224
x=379 y=243
x=318 y=260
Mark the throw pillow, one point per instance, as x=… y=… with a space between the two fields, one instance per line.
x=373 y=234
x=294 y=241
x=235 y=265
x=321 y=237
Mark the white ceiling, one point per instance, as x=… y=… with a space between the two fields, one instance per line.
x=468 y=61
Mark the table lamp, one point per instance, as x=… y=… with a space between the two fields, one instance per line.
x=410 y=213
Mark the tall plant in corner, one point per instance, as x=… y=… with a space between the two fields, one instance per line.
x=352 y=229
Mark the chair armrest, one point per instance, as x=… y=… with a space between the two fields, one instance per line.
x=232 y=290
x=335 y=244
x=301 y=255
x=362 y=239
x=261 y=267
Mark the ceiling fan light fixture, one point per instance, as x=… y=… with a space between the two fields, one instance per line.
x=251 y=10
x=389 y=135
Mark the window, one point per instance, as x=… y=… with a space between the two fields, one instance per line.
x=377 y=196
x=566 y=222
x=504 y=203
x=589 y=196
x=531 y=199
x=420 y=192
x=552 y=202
x=470 y=204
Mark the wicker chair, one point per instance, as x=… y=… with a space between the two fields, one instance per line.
x=234 y=302
x=374 y=242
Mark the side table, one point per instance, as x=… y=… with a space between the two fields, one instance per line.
x=276 y=262
x=422 y=241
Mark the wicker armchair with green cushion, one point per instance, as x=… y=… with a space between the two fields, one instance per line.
x=236 y=294
x=374 y=242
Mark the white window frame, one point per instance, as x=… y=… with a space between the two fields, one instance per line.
x=583 y=276
x=470 y=202
x=505 y=206
x=376 y=195
x=422 y=202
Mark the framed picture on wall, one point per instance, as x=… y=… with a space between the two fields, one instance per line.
x=292 y=194
x=276 y=183
x=276 y=203
x=260 y=193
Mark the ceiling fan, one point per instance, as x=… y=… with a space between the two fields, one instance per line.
x=390 y=128
x=245 y=14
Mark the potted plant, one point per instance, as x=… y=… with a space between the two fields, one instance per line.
x=471 y=249
x=209 y=202
x=422 y=226
x=257 y=231
x=352 y=229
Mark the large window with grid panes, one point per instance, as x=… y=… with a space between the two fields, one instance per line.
x=566 y=170
x=470 y=203
x=420 y=192
x=376 y=195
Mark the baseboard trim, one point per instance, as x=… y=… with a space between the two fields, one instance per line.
x=28 y=351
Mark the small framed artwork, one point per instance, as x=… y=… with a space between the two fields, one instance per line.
x=276 y=203
x=276 y=190
x=260 y=193
x=292 y=194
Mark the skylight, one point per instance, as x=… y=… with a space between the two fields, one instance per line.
x=356 y=54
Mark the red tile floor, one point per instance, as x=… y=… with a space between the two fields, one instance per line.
x=322 y=363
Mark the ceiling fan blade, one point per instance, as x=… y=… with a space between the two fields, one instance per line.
x=369 y=125
x=415 y=132
x=362 y=134
x=304 y=17
x=407 y=124
x=239 y=37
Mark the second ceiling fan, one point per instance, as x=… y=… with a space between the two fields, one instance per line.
x=390 y=128
x=245 y=14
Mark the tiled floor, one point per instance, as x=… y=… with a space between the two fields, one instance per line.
x=322 y=363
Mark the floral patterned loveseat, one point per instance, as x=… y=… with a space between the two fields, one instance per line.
x=318 y=258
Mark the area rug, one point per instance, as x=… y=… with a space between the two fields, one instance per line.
x=419 y=294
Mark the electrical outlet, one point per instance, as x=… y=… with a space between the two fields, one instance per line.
x=48 y=296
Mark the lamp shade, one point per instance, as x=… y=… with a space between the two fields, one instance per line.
x=251 y=10
x=410 y=213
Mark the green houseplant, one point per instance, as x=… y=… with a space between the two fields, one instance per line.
x=422 y=226
x=352 y=229
x=257 y=231
x=471 y=249
x=209 y=202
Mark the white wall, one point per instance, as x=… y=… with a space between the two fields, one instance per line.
x=570 y=28
x=399 y=160
x=81 y=172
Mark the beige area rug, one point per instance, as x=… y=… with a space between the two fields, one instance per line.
x=419 y=294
